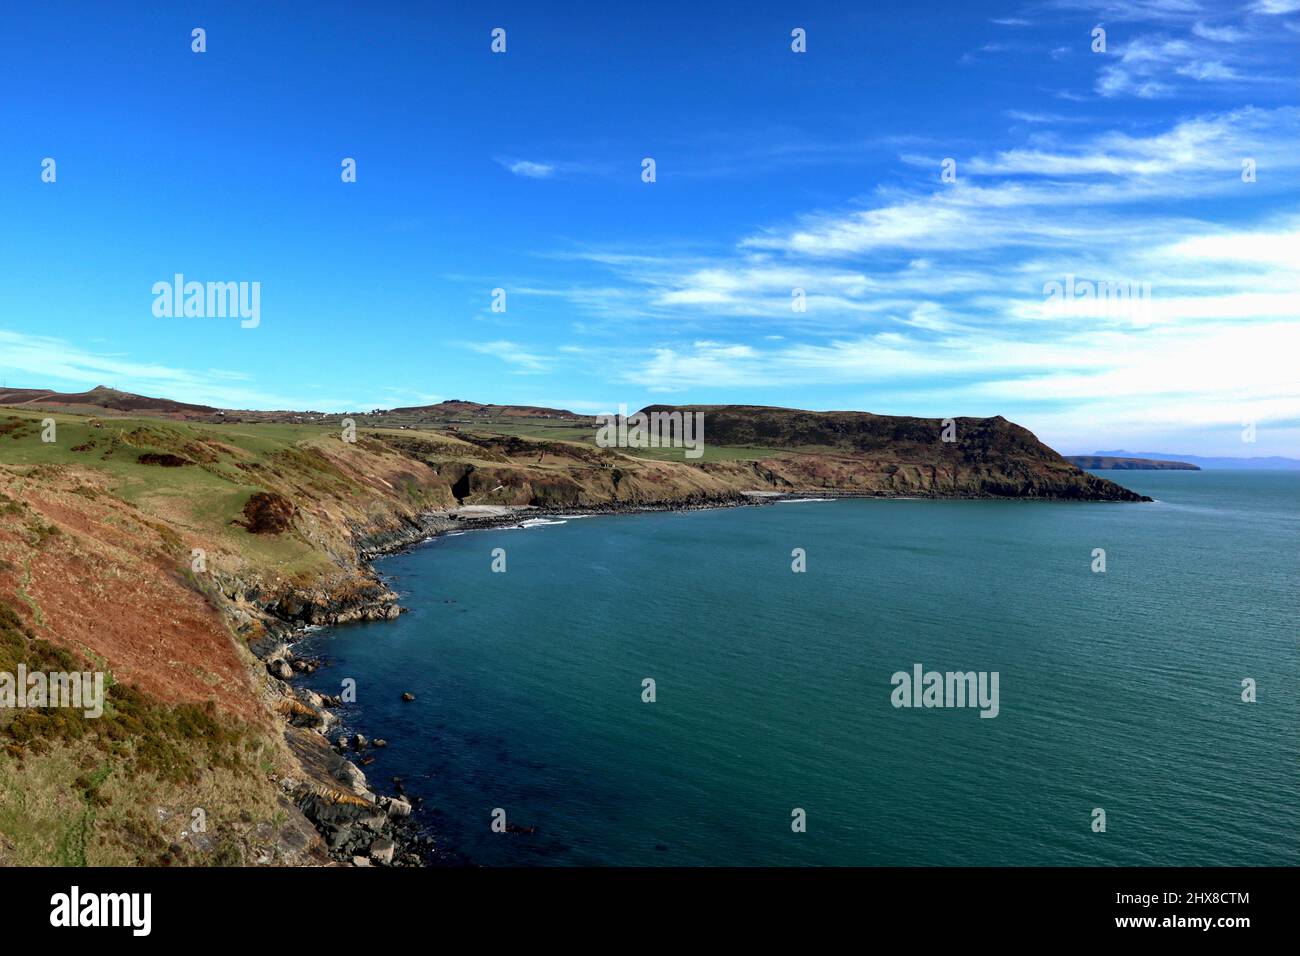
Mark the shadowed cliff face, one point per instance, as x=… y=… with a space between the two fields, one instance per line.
x=861 y=453
x=862 y=433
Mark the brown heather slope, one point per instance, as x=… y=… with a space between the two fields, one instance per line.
x=96 y=564
x=104 y=580
x=89 y=583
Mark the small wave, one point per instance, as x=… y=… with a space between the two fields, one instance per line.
x=538 y=522
x=795 y=501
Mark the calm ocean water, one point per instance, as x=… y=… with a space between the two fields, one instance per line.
x=1119 y=690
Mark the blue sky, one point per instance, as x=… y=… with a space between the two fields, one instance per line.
x=775 y=170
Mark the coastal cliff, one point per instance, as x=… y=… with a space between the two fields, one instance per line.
x=185 y=559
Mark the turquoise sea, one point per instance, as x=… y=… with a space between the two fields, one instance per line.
x=1119 y=690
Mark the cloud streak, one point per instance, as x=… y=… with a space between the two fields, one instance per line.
x=528 y=169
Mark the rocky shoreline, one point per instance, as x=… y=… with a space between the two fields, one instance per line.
x=361 y=827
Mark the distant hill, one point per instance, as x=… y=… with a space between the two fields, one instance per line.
x=1105 y=463
x=100 y=397
x=456 y=407
x=112 y=400
x=1263 y=464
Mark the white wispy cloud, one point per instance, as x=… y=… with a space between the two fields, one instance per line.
x=1166 y=12
x=1157 y=165
x=1184 y=47
x=1219 y=34
x=1276 y=7
x=529 y=169
x=523 y=359
x=1028 y=116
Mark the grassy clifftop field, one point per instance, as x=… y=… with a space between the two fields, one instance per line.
x=176 y=550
